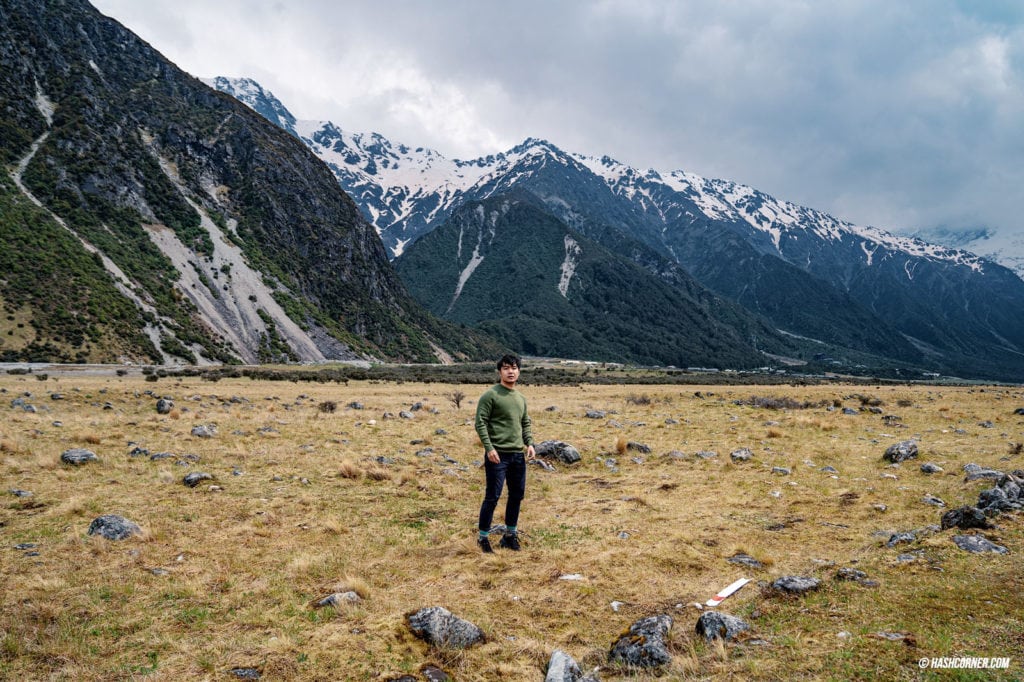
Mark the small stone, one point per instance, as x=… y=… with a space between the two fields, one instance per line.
x=934 y=501
x=195 y=478
x=741 y=455
x=793 y=584
x=204 y=431
x=438 y=626
x=644 y=644
x=164 y=406
x=900 y=538
x=707 y=454
x=847 y=573
x=339 y=599
x=113 y=527
x=246 y=673
x=978 y=544
x=745 y=560
x=902 y=451
x=78 y=456
x=782 y=471
x=931 y=468
x=717 y=625
x=562 y=668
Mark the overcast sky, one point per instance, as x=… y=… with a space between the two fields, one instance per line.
x=901 y=114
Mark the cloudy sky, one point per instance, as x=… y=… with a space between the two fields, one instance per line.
x=902 y=115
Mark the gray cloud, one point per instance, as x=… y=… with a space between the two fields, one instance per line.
x=902 y=115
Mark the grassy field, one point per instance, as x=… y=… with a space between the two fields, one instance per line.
x=305 y=502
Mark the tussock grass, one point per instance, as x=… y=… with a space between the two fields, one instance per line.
x=326 y=502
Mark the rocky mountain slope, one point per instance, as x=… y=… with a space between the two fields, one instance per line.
x=508 y=266
x=146 y=217
x=813 y=275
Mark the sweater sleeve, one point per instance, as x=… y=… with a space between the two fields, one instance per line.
x=483 y=413
x=527 y=426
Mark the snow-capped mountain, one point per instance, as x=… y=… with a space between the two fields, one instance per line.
x=261 y=101
x=1001 y=246
x=811 y=274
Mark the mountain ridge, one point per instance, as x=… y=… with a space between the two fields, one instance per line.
x=219 y=236
x=813 y=275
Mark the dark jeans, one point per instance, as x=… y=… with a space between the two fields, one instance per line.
x=512 y=470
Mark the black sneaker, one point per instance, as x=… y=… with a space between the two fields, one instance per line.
x=485 y=545
x=510 y=542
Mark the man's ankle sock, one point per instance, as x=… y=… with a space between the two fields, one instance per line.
x=510 y=530
x=484 y=533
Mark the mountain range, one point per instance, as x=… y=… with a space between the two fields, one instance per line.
x=145 y=217
x=853 y=293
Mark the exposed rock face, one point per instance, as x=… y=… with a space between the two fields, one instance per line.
x=207 y=220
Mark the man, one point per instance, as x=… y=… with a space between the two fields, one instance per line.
x=504 y=429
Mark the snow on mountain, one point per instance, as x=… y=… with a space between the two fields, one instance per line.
x=726 y=200
x=251 y=93
x=404 y=190
x=1001 y=246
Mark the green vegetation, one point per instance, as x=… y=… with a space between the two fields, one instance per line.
x=59 y=304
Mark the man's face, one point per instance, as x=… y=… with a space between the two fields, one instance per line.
x=509 y=375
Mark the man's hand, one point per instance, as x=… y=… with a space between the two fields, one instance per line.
x=530 y=453
x=492 y=456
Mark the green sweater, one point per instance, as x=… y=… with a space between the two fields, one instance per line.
x=501 y=420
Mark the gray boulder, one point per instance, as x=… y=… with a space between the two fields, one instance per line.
x=595 y=414
x=741 y=455
x=707 y=454
x=930 y=468
x=901 y=538
x=78 y=456
x=715 y=625
x=195 y=478
x=977 y=473
x=164 y=406
x=996 y=499
x=965 y=517
x=745 y=560
x=901 y=452
x=644 y=645
x=338 y=599
x=563 y=668
x=113 y=527
x=204 y=431
x=440 y=627
x=978 y=544
x=795 y=584
x=556 y=449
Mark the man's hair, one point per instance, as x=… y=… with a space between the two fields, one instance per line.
x=510 y=360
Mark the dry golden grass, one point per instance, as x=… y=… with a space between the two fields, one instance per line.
x=305 y=503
